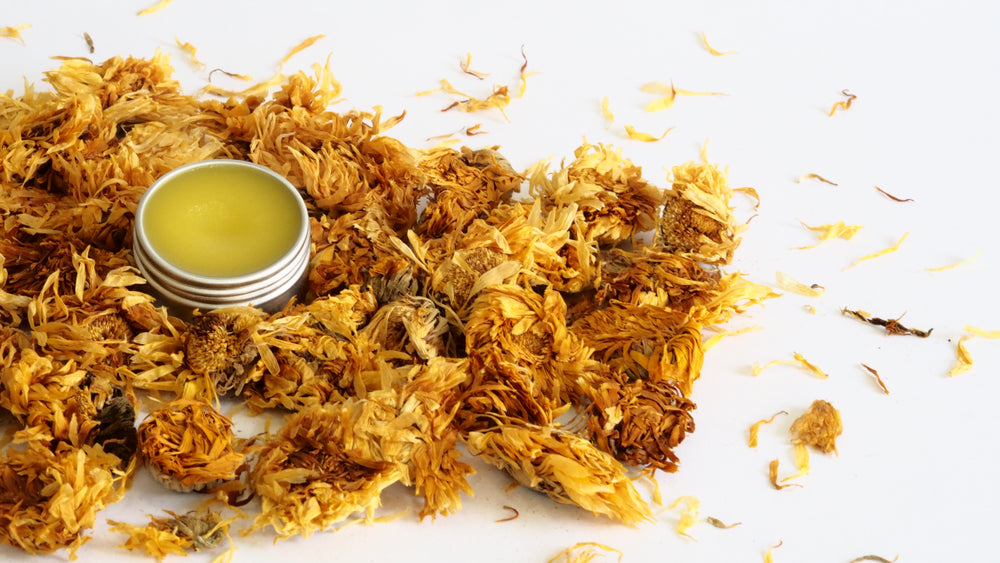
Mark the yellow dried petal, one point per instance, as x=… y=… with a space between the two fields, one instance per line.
x=584 y=552
x=689 y=516
x=305 y=44
x=969 y=260
x=788 y=283
x=982 y=332
x=154 y=8
x=713 y=50
x=644 y=137
x=191 y=50
x=832 y=231
x=755 y=428
x=606 y=111
x=801 y=453
x=715 y=338
x=799 y=359
x=964 y=361
x=14 y=31
x=882 y=252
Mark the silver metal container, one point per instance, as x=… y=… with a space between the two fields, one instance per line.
x=270 y=287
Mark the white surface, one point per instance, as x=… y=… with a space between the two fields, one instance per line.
x=916 y=472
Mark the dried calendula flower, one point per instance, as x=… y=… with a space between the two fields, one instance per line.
x=49 y=497
x=640 y=421
x=697 y=219
x=220 y=345
x=177 y=535
x=565 y=467
x=819 y=427
x=309 y=478
x=613 y=201
x=188 y=445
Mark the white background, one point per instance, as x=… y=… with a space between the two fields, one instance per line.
x=916 y=474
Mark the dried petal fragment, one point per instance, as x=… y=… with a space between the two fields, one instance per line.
x=154 y=8
x=969 y=260
x=465 y=66
x=788 y=283
x=876 y=558
x=644 y=137
x=89 y=40
x=191 y=51
x=878 y=379
x=892 y=197
x=713 y=50
x=305 y=44
x=606 y=112
x=819 y=427
x=801 y=462
x=799 y=359
x=14 y=31
x=832 y=231
x=755 y=428
x=883 y=252
x=964 y=361
x=772 y=473
x=994 y=334
x=587 y=552
x=689 y=516
x=813 y=176
x=844 y=105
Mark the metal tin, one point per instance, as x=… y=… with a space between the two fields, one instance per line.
x=269 y=288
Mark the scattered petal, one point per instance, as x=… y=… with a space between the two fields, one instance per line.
x=154 y=8
x=969 y=260
x=788 y=283
x=892 y=197
x=844 y=105
x=713 y=50
x=812 y=176
x=964 y=361
x=882 y=252
x=644 y=137
x=755 y=428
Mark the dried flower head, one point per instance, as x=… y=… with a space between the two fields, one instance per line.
x=188 y=445
x=50 y=497
x=567 y=468
x=819 y=427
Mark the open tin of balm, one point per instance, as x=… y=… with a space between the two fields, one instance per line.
x=220 y=233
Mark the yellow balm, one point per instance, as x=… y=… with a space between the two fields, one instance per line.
x=222 y=221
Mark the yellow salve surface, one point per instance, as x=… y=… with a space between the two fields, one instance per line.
x=221 y=221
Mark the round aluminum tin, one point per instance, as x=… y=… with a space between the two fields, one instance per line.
x=268 y=288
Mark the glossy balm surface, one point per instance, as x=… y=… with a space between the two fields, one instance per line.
x=222 y=222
